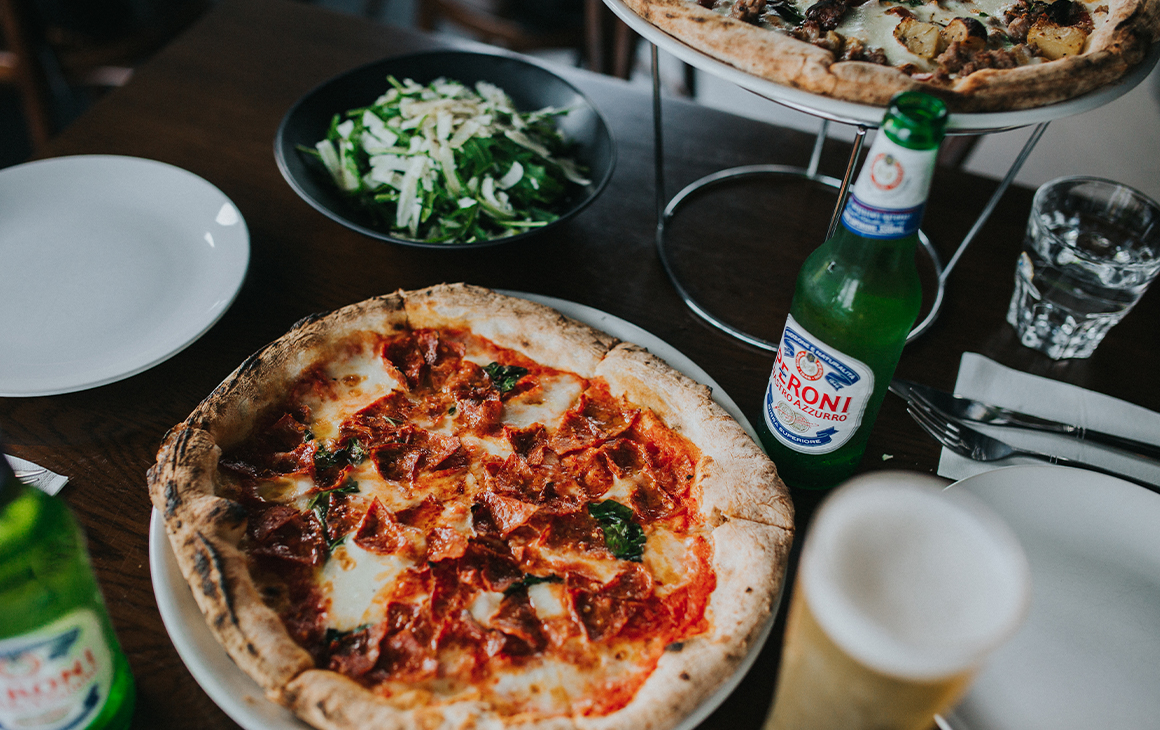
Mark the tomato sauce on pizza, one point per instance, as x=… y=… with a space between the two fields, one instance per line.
x=439 y=518
x=451 y=508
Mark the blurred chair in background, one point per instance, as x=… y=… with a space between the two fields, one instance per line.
x=611 y=45
x=59 y=54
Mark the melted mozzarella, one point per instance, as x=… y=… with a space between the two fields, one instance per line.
x=666 y=556
x=291 y=489
x=372 y=485
x=622 y=490
x=547 y=600
x=594 y=566
x=497 y=447
x=444 y=426
x=485 y=605
x=352 y=580
x=875 y=28
x=481 y=358
x=358 y=381
x=546 y=405
x=457 y=516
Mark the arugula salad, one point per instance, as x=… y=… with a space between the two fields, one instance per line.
x=446 y=163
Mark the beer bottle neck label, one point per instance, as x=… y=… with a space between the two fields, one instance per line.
x=816 y=394
x=891 y=191
x=57 y=677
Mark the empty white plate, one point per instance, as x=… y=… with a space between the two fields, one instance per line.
x=111 y=265
x=1087 y=655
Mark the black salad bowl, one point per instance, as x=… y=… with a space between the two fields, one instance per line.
x=530 y=85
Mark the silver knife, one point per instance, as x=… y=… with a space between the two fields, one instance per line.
x=966 y=409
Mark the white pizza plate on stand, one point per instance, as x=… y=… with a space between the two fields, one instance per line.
x=111 y=265
x=1087 y=655
x=847 y=112
x=240 y=696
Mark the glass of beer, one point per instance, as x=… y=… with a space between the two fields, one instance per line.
x=902 y=591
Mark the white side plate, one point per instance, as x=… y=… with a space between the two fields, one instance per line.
x=240 y=696
x=1088 y=653
x=111 y=266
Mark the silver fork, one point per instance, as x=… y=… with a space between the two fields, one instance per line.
x=977 y=445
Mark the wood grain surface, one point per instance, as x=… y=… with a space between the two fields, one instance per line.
x=211 y=102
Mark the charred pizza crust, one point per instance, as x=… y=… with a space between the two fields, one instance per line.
x=1120 y=43
x=743 y=501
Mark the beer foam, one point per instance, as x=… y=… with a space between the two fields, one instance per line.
x=910 y=580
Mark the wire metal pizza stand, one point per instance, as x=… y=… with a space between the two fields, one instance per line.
x=863 y=118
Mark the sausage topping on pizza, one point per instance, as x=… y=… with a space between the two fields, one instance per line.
x=980 y=55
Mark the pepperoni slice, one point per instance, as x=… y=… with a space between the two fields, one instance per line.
x=508 y=513
x=283 y=532
x=417 y=451
x=403 y=656
x=444 y=543
x=528 y=443
x=605 y=610
x=596 y=418
x=516 y=618
x=379 y=532
x=488 y=564
x=356 y=653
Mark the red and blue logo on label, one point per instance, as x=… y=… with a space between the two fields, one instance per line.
x=816 y=395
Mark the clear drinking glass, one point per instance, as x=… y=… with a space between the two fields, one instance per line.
x=1092 y=248
x=903 y=589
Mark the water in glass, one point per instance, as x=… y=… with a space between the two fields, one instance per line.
x=1086 y=261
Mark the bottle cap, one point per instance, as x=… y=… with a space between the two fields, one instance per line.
x=916 y=120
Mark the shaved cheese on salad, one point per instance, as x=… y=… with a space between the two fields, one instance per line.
x=452 y=164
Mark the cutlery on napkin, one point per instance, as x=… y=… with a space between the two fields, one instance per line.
x=966 y=409
x=986 y=380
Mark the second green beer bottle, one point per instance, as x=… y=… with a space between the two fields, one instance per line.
x=61 y=667
x=857 y=298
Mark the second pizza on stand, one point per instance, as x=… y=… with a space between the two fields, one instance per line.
x=979 y=55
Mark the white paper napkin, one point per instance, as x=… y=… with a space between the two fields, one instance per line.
x=46 y=481
x=986 y=380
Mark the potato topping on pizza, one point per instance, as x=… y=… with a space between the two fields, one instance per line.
x=450 y=507
x=980 y=55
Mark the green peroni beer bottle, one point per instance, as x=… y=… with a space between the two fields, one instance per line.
x=857 y=298
x=60 y=665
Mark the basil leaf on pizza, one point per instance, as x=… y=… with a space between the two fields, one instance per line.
x=531 y=580
x=412 y=513
x=622 y=535
x=504 y=377
x=352 y=453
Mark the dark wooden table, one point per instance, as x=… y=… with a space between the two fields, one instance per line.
x=211 y=102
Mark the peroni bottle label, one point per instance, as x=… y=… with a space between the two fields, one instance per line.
x=816 y=394
x=57 y=677
x=888 y=198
